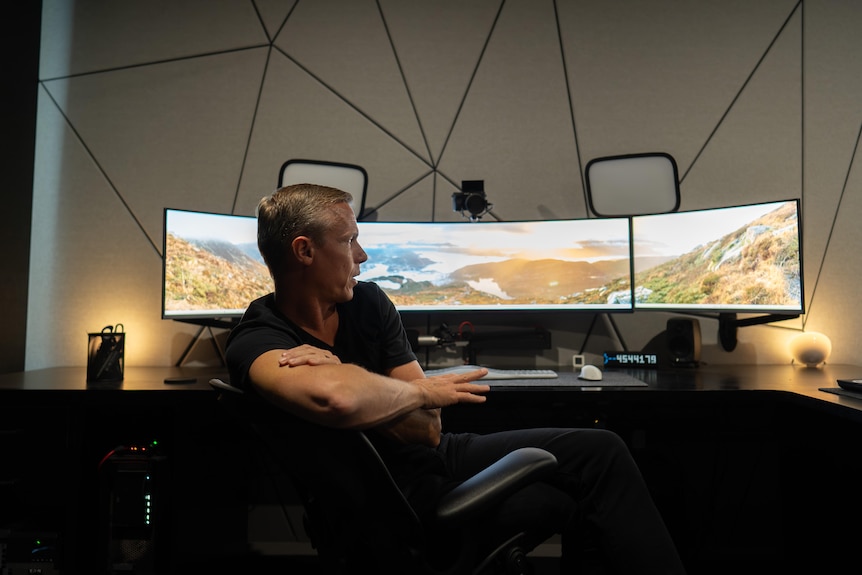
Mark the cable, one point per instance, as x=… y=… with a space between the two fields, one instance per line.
x=111 y=453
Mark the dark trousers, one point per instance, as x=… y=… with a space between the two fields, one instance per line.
x=597 y=491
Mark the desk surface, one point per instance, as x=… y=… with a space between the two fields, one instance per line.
x=789 y=381
x=74 y=379
x=785 y=382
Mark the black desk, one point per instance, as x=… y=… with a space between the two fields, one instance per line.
x=750 y=465
x=747 y=463
x=784 y=382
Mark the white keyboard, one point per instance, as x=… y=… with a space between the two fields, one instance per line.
x=496 y=374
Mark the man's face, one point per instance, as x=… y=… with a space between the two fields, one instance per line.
x=338 y=259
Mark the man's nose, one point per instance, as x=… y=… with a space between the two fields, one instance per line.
x=360 y=255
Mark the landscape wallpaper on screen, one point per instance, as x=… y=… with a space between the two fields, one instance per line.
x=494 y=265
x=212 y=265
x=754 y=265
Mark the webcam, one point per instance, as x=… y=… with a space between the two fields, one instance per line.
x=471 y=200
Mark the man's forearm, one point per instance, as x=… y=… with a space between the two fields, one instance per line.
x=348 y=396
x=422 y=426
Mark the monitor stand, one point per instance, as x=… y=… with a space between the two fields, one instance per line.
x=207 y=325
x=728 y=324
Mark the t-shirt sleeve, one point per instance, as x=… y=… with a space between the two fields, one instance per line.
x=370 y=335
x=255 y=335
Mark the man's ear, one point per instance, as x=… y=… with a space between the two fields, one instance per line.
x=303 y=249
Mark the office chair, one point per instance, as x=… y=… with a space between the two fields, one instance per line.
x=357 y=517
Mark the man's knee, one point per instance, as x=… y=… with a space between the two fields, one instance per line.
x=590 y=446
x=609 y=441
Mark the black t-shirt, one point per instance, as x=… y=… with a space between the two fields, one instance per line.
x=370 y=334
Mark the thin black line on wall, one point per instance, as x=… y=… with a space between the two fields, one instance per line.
x=802 y=111
x=470 y=81
x=99 y=167
x=834 y=219
x=404 y=81
x=353 y=106
x=261 y=21
x=373 y=210
x=280 y=27
x=461 y=107
x=427 y=161
x=801 y=215
x=430 y=158
x=571 y=107
x=741 y=90
x=251 y=130
x=433 y=199
x=154 y=63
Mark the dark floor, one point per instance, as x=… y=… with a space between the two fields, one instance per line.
x=266 y=565
x=306 y=565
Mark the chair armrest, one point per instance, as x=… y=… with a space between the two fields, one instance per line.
x=497 y=481
x=232 y=399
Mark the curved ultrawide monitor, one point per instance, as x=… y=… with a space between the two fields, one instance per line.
x=213 y=270
x=740 y=259
x=567 y=265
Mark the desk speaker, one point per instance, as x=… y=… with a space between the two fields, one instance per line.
x=683 y=341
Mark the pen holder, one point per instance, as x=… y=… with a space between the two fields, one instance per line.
x=106 y=356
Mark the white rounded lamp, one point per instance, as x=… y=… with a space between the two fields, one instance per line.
x=810 y=348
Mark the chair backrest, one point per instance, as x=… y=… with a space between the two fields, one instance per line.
x=356 y=516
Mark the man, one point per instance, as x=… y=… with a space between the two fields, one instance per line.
x=331 y=350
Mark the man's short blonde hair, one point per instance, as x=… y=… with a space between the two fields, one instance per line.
x=292 y=211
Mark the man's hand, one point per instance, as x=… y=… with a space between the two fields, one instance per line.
x=449 y=389
x=307 y=355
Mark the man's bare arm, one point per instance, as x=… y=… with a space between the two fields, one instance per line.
x=348 y=396
x=421 y=426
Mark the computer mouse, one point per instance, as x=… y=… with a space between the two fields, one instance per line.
x=590 y=373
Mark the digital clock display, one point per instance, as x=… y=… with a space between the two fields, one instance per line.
x=630 y=359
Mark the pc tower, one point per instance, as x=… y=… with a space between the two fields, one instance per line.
x=134 y=498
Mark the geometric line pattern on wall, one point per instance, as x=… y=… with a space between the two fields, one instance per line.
x=424 y=95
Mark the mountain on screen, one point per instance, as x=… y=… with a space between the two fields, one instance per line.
x=758 y=264
x=212 y=275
